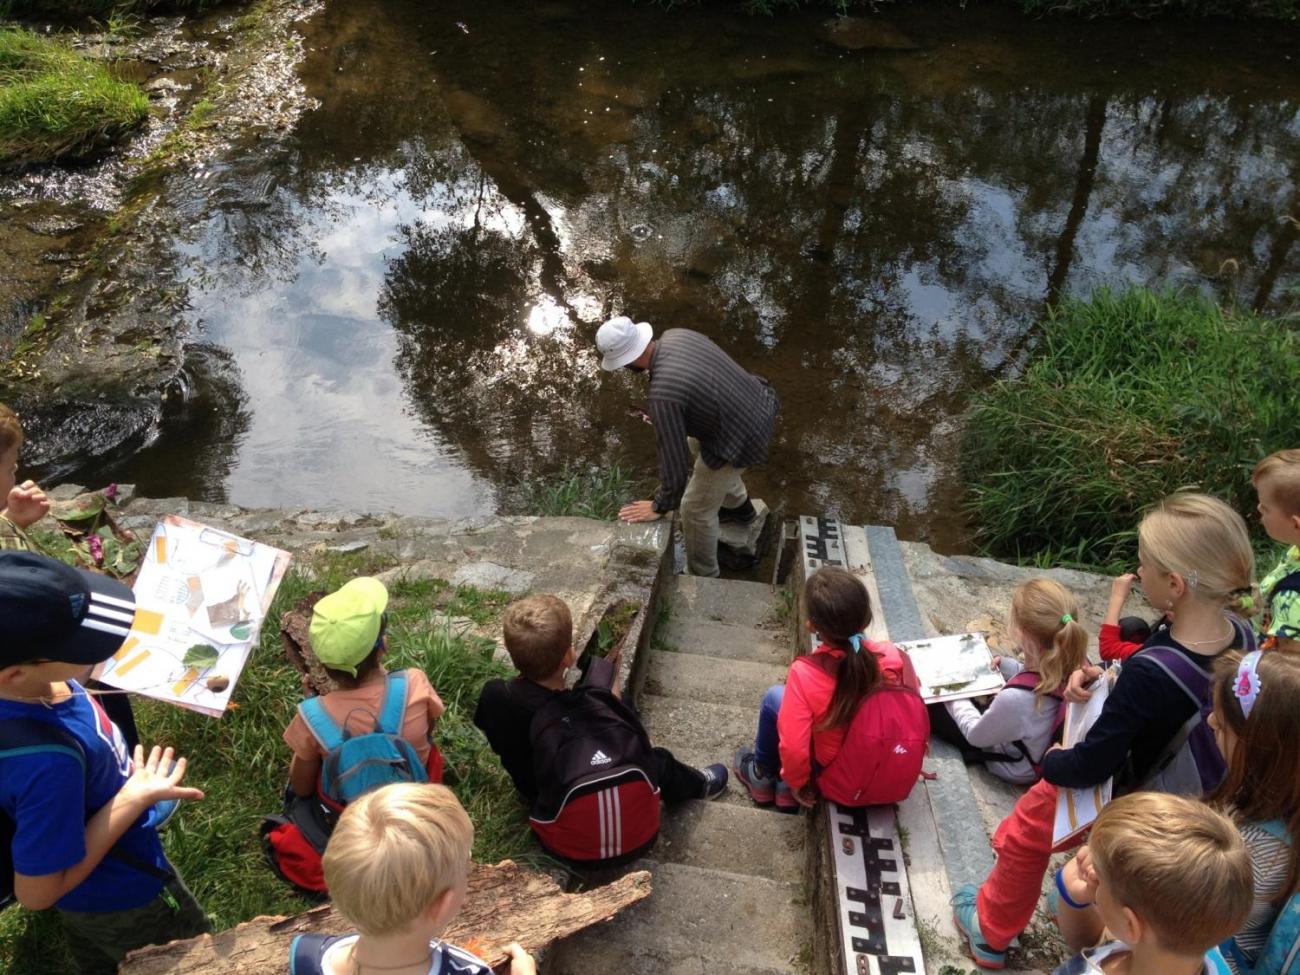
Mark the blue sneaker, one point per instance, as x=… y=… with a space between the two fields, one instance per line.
x=715 y=780
x=966 y=917
x=162 y=812
x=762 y=787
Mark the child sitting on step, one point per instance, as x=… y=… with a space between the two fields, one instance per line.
x=1196 y=564
x=1014 y=733
x=1168 y=878
x=397 y=867
x=837 y=694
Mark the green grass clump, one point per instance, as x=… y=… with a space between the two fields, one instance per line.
x=1130 y=396
x=241 y=761
x=595 y=492
x=55 y=103
x=74 y=10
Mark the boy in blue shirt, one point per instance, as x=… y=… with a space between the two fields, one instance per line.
x=81 y=809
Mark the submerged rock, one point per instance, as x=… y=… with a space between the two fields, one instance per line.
x=862 y=33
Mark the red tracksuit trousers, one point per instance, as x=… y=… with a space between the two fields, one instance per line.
x=1023 y=844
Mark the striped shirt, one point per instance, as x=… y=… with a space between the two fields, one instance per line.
x=697 y=390
x=1270 y=862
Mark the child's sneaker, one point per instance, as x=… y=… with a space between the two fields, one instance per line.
x=715 y=780
x=762 y=788
x=785 y=800
x=966 y=918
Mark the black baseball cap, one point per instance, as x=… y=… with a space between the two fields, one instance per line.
x=51 y=611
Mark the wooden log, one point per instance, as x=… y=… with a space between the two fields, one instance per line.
x=504 y=903
x=295 y=629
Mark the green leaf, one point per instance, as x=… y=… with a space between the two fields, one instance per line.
x=84 y=508
x=200 y=656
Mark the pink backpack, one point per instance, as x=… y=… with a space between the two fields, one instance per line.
x=887 y=738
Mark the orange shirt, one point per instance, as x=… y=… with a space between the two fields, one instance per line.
x=360 y=706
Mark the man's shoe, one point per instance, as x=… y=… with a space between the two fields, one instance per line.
x=762 y=788
x=741 y=514
x=715 y=780
x=966 y=917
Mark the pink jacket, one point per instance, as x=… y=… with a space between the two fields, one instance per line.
x=808 y=694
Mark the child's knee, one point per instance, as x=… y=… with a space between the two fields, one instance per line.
x=772 y=699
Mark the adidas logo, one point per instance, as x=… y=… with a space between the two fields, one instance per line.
x=900 y=750
x=600 y=758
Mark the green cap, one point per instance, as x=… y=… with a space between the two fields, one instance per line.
x=345 y=625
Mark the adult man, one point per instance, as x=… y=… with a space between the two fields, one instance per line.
x=699 y=400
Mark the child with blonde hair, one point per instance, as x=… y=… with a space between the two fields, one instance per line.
x=1014 y=733
x=1168 y=877
x=1277 y=482
x=1196 y=564
x=397 y=867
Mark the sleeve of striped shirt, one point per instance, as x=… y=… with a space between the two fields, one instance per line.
x=673 y=453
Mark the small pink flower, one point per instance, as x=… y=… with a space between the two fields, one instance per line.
x=110 y=492
x=96 y=545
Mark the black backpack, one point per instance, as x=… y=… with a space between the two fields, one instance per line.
x=25 y=736
x=597 y=783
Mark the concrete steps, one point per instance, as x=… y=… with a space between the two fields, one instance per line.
x=729 y=893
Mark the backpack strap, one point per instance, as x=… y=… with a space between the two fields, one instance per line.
x=324 y=729
x=392 y=712
x=1276 y=828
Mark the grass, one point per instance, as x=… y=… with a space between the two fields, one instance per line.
x=594 y=492
x=1129 y=397
x=241 y=762
x=55 y=103
x=75 y=10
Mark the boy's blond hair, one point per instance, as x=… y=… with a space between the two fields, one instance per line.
x=394 y=852
x=538 y=632
x=11 y=429
x=1047 y=611
x=1176 y=863
x=1281 y=470
x=1206 y=543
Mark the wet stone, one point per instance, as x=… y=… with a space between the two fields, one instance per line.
x=490 y=575
x=863 y=33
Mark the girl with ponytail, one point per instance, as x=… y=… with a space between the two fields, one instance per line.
x=1014 y=733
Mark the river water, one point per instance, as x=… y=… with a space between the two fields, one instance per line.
x=397 y=301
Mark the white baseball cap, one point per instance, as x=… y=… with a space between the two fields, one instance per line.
x=621 y=341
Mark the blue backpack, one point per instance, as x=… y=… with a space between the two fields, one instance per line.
x=1282 y=950
x=356 y=764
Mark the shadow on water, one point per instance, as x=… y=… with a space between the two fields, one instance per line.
x=409 y=286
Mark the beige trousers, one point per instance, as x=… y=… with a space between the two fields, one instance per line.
x=706 y=492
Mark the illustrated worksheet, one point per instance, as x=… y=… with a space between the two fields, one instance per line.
x=951 y=668
x=201 y=597
x=1077 y=808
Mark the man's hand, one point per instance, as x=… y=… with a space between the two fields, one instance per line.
x=521 y=962
x=26 y=504
x=638 y=511
x=156 y=778
x=1076 y=691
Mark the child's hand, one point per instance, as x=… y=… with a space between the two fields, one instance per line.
x=1121 y=586
x=1080 y=877
x=156 y=778
x=521 y=962
x=26 y=504
x=806 y=796
x=1076 y=690
x=995 y=663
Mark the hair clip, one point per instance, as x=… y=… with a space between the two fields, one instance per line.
x=1067 y=618
x=1247 y=685
x=1193 y=578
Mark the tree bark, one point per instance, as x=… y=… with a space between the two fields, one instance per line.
x=504 y=903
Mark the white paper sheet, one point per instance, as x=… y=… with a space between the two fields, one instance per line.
x=196 y=586
x=955 y=667
x=1077 y=808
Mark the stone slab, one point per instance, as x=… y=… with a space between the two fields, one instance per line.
x=741 y=839
x=726 y=640
x=696 y=919
x=711 y=680
x=701 y=734
x=721 y=600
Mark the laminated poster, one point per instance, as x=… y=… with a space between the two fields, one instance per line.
x=952 y=668
x=201 y=596
x=1077 y=808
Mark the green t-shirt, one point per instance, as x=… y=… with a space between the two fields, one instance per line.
x=1282 y=615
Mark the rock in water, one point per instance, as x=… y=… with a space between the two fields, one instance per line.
x=862 y=34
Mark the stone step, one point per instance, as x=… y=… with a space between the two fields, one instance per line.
x=701 y=734
x=710 y=680
x=740 y=839
x=722 y=600
x=696 y=920
x=727 y=640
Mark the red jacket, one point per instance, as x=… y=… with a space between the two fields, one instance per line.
x=808 y=694
x=1112 y=646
